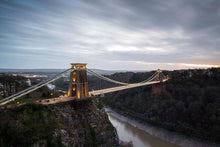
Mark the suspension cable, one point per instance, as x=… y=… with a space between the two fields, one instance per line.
x=150 y=78
x=121 y=83
x=163 y=75
x=35 y=87
x=105 y=78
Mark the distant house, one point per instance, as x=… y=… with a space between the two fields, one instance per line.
x=28 y=82
x=190 y=74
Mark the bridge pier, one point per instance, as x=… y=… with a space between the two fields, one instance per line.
x=78 y=85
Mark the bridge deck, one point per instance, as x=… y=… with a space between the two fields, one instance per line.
x=91 y=93
x=109 y=90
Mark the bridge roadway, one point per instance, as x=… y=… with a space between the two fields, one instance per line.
x=109 y=90
x=91 y=93
x=43 y=101
x=94 y=93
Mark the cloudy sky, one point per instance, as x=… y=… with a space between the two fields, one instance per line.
x=110 y=34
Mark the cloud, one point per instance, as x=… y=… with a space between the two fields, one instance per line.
x=99 y=32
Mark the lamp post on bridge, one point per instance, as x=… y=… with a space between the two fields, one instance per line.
x=78 y=85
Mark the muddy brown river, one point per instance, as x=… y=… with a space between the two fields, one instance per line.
x=149 y=136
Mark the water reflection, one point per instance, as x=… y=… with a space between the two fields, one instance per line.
x=139 y=138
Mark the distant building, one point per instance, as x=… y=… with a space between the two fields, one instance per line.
x=33 y=76
x=190 y=74
x=1 y=86
x=28 y=82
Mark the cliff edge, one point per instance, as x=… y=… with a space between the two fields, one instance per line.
x=73 y=123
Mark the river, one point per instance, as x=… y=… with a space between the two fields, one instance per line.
x=149 y=136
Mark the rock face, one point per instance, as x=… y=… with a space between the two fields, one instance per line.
x=73 y=123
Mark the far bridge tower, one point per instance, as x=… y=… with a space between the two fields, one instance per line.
x=159 y=75
x=78 y=85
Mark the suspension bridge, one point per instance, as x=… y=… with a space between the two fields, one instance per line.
x=78 y=85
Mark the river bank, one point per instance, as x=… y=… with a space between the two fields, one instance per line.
x=175 y=139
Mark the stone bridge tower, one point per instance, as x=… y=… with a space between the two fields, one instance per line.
x=159 y=76
x=78 y=85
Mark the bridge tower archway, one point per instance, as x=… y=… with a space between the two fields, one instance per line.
x=78 y=85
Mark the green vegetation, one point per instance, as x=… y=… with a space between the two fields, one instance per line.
x=187 y=103
x=28 y=124
x=100 y=105
x=73 y=123
x=94 y=127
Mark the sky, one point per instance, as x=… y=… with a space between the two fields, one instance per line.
x=110 y=34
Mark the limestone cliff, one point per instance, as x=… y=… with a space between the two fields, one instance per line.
x=73 y=123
